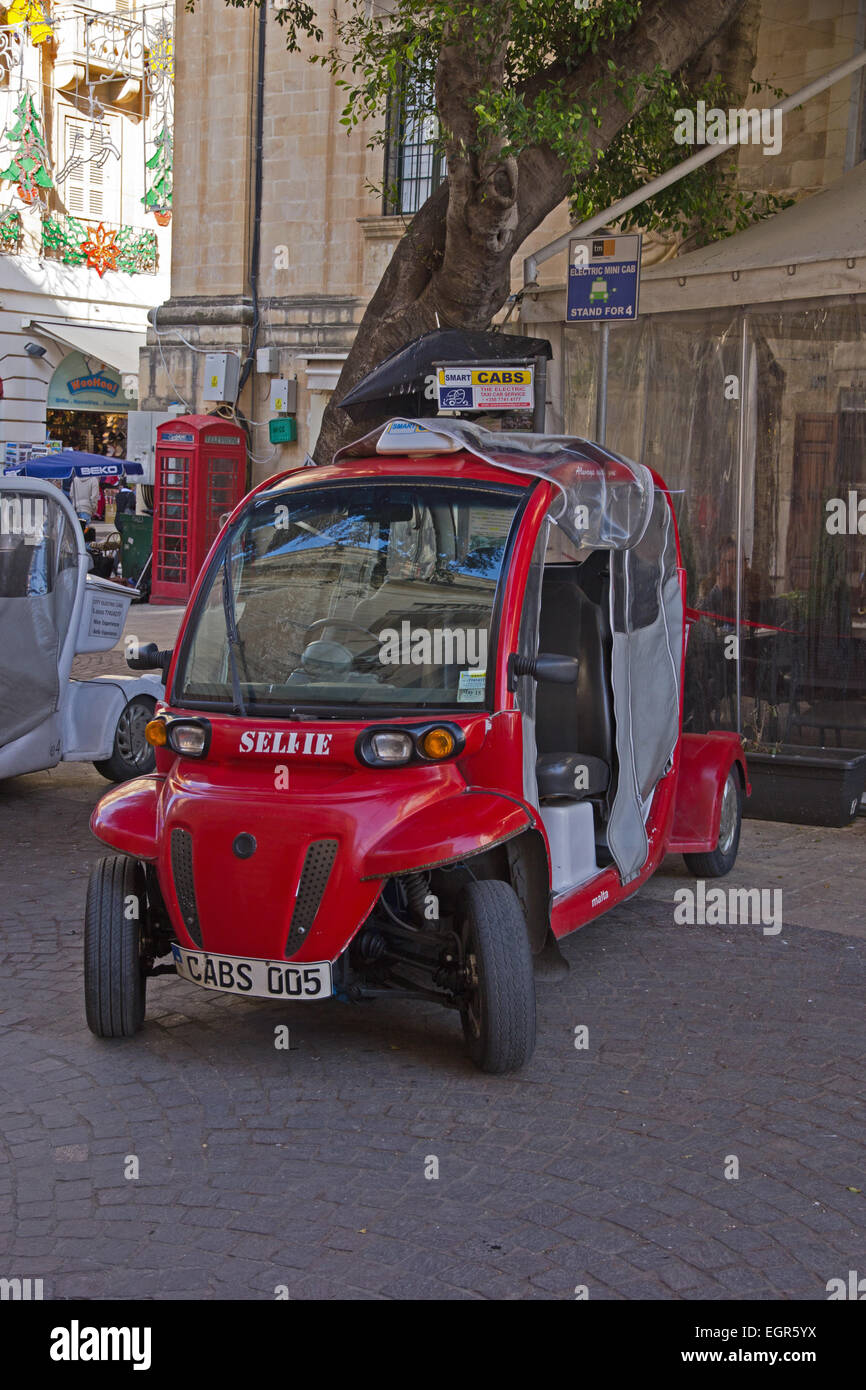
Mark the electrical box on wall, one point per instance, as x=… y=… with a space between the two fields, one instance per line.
x=284 y=396
x=221 y=375
x=267 y=361
x=283 y=431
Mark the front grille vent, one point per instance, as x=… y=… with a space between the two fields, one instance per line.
x=318 y=862
x=184 y=883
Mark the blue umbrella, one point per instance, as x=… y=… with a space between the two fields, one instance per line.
x=70 y=463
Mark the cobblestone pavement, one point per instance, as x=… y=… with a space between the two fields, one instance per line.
x=602 y=1167
x=305 y=1169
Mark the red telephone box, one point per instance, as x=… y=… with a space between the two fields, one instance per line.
x=200 y=474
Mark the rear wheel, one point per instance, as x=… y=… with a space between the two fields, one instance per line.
x=132 y=755
x=719 y=861
x=498 y=1010
x=115 y=962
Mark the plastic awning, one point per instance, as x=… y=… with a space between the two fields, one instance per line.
x=811 y=250
x=116 y=347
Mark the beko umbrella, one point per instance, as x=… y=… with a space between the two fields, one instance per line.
x=71 y=463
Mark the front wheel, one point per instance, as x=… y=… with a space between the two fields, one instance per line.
x=719 y=861
x=498 y=1008
x=115 y=961
x=132 y=755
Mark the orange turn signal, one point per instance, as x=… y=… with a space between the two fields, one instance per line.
x=437 y=743
x=156 y=733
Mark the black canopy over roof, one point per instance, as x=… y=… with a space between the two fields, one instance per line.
x=401 y=380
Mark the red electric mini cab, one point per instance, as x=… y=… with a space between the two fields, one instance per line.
x=423 y=719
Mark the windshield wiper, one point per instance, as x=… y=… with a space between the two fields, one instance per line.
x=232 y=634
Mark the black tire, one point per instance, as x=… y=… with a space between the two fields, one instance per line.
x=131 y=756
x=499 y=1013
x=717 y=862
x=114 y=966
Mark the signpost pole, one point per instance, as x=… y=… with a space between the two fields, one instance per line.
x=601 y=391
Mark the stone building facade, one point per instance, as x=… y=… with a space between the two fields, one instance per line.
x=322 y=239
x=325 y=237
x=85 y=214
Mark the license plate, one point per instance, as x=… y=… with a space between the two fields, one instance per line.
x=259 y=979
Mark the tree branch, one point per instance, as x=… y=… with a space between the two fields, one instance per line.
x=454 y=264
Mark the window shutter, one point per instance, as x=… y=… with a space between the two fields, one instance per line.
x=76 y=181
x=88 y=186
x=97 y=172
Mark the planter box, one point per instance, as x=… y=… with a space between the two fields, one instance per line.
x=806 y=786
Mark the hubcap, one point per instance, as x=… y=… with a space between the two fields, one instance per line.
x=728 y=817
x=131 y=743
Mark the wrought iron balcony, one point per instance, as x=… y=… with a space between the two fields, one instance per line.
x=98 y=45
x=100 y=245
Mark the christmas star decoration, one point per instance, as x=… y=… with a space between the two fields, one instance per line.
x=101 y=250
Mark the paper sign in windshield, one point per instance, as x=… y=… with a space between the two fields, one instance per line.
x=471 y=686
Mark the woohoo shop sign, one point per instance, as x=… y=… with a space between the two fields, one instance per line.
x=81 y=385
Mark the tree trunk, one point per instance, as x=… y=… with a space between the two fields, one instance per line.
x=453 y=266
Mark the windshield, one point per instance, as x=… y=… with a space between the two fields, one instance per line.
x=352 y=594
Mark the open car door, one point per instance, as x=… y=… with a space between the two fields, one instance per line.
x=40 y=559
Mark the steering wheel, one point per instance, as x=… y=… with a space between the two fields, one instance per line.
x=345 y=623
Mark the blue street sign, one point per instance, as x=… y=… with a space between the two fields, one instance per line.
x=603 y=278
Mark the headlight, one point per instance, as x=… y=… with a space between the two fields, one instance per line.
x=391 y=747
x=427 y=743
x=188 y=738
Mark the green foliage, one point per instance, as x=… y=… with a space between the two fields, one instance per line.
x=374 y=50
x=384 y=55
x=706 y=205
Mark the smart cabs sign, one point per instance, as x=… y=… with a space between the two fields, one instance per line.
x=480 y=387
